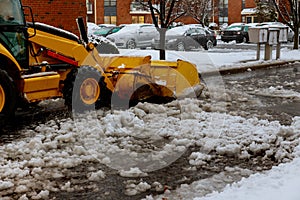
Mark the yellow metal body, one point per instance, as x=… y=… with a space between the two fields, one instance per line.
x=171 y=78
x=43 y=86
x=52 y=84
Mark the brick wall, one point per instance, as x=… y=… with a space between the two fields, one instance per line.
x=123 y=12
x=250 y=4
x=234 y=11
x=58 y=13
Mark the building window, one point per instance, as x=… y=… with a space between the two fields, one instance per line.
x=110 y=11
x=136 y=6
x=110 y=2
x=223 y=11
x=89 y=6
x=138 y=19
x=110 y=19
x=249 y=19
x=243 y=4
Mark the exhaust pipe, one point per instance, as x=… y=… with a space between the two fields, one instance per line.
x=82 y=30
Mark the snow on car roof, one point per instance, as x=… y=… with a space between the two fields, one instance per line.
x=133 y=26
x=234 y=28
x=179 y=30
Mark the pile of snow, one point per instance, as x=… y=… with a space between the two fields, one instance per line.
x=279 y=183
x=135 y=141
x=282 y=182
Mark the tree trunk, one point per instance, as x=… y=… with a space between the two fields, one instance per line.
x=162 y=43
x=296 y=38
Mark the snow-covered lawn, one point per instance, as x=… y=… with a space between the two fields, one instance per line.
x=149 y=137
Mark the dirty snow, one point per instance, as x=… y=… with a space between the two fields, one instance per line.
x=31 y=166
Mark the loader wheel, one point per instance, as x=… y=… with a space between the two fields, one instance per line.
x=85 y=90
x=8 y=96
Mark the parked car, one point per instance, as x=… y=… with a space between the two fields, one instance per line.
x=106 y=25
x=133 y=36
x=187 y=37
x=107 y=30
x=236 y=32
x=91 y=28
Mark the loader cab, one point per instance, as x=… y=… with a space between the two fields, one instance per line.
x=13 y=32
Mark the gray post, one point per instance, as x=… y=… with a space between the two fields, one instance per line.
x=268 y=51
x=258 y=52
x=278 y=50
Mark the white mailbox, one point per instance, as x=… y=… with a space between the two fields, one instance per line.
x=268 y=34
x=283 y=34
x=273 y=36
x=258 y=35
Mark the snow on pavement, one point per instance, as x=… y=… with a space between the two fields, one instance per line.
x=282 y=182
x=127 y=139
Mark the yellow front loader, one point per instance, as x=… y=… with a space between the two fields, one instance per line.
x=41 y=62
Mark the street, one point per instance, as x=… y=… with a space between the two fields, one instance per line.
x=246 y=46
x=268 y=94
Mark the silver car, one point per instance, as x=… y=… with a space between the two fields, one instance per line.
x=133 y=36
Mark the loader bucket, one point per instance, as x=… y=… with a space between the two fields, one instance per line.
x=179 y=76
x=140 y=79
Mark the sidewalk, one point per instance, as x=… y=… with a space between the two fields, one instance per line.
x=223 y=61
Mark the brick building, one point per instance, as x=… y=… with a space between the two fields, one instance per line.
x=62 y=13
x=58 y=13
x=120 y=12
x=232 y=11
x=124 y=12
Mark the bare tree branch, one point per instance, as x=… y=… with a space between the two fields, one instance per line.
x=289 y=13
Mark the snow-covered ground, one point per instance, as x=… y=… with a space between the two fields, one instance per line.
x=215 y=59
x=149 y=137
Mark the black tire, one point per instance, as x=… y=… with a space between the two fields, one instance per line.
x=107 y=48
x=209 y=45
x=180 y=46
x=73 y=94
x=8 y=96
x=131 y=44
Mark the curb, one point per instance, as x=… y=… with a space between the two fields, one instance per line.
x=236 y=70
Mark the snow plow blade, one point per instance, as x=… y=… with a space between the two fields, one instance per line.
x=141 y=79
